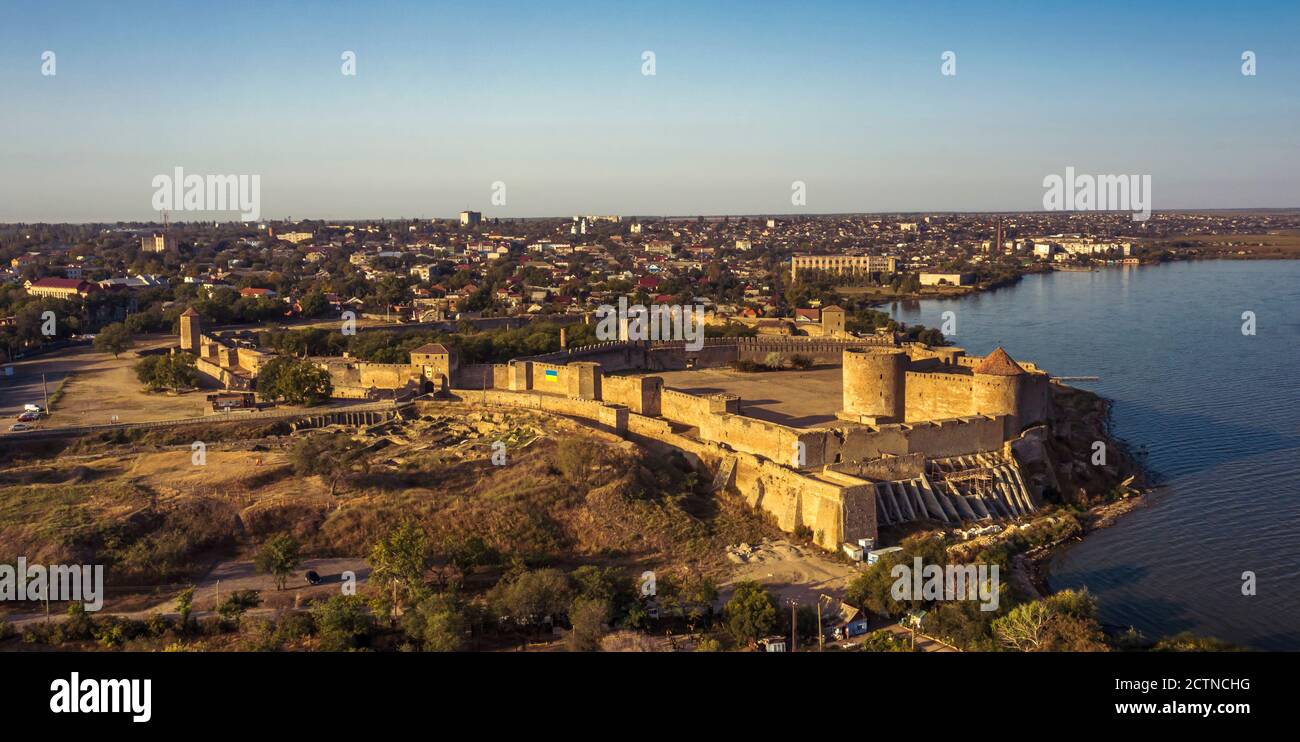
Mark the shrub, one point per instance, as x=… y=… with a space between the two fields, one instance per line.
x=436 y=624
x=342 y=622
x=234 y=606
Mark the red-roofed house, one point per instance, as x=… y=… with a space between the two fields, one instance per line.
x=60 y=288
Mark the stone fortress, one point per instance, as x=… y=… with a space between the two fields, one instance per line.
x=921 y=433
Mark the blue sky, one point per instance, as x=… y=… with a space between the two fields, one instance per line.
x=747 y=97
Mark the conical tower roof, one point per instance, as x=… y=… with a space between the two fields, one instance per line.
x=998 y=363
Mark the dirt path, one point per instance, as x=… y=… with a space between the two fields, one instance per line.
x=227 y=577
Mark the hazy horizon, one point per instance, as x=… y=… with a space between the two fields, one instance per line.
x=450 y=98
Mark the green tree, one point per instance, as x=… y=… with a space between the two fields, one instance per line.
x=532 y=596
x=399 y=561
x=342 y=622
x=1064 y=622
x=589 y=618
x=331 y=457
x=185 y=605
x=293 y=380
x=314 y=304
x=279 y=557
x=114 y=338
x=437 y=623
x=174 y=371
x=751 y=612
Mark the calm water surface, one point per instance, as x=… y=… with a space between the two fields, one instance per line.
x=1217 y=413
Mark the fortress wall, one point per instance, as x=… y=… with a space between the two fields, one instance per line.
x=349 y=392
x=795 y=500
x=557 y=383
x=666 y=359
x=952 y=437
x=715 y=352
x=936 y=396
x=789 y=497
x=650 y=427
x=251 y=360
x=612 y=355
x=389 y=375
x=959 y=437
x=684 y=408
x=1035 y=400
x=821 y=350
x=212 y=373
x=497 y=376
x=642 y=395
x=610 y=419
x=863 y=443
x=772 y=441
x=887 y=469
x=835 y=511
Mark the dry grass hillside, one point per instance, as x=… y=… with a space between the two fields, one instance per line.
x=566 y=495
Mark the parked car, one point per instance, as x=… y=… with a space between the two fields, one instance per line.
x=29 y=417
x=19 y=427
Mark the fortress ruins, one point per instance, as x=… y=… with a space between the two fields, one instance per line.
x=913 y=432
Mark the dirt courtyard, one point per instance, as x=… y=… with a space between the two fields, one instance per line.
x=789 y=571
x=96 y=386
x=801 y=399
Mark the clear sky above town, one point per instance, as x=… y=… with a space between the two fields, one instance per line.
x=550 y=99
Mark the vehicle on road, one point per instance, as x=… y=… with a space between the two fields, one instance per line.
x=19 y=427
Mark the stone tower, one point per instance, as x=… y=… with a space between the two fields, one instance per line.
x=997 y=387
x=191 y=330
x=438 y=362
x=874 y=381
x=832 y=321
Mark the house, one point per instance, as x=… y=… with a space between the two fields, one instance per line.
x=254 y=293
x=60 y=288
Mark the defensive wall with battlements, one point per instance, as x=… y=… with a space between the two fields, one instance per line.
x=903 y=404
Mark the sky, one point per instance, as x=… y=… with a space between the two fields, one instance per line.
x=550 y=100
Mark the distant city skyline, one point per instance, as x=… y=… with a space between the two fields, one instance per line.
x=450 y=99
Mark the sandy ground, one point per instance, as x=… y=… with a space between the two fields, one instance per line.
x=789 y=571
x=796 y=398
x=98 y=387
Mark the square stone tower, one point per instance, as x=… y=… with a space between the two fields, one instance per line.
x=832 y=321
x=191 y=330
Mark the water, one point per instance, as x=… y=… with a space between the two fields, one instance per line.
x=1218 y=413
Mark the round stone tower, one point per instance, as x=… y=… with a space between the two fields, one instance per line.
x=874 y=384
x=997 y=389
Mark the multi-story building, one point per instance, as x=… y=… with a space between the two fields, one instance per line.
x=59 y=288
x=839 y=264
x=158 y=243
x=294 y=237
x=470 y=218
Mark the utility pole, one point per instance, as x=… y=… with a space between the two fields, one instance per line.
x=794 y=626
x=46 y=391
x=821 y=636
